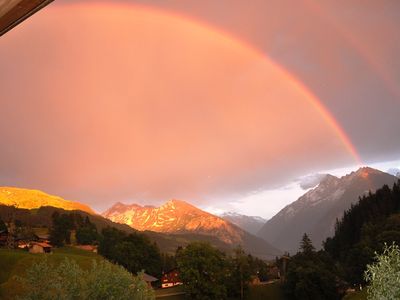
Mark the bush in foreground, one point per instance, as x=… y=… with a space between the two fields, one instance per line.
x=383 y=276
x=103 y=280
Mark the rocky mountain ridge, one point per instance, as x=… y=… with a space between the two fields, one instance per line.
x=315 y=212
x=180 y=217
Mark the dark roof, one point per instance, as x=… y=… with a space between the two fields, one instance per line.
x=14 y=12
x=44 y=245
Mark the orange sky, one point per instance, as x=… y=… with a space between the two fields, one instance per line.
x=114 y=102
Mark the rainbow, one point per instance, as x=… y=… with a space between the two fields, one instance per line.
x=311 y=98
x=354 y=42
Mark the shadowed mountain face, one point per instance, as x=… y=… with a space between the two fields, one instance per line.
x=315 y=212
x=179 y=217
x=29 y=199
x=250 y=224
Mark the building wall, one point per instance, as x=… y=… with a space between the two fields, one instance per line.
x=36 y=249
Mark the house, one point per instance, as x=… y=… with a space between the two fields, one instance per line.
x=170 y=279
x=255 y=280
x=91 y=248
x=37 y=247
x=149 y=279
x=274 y=272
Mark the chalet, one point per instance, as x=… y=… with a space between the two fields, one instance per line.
x=149 y=279
x=37 y=247
x=170 y=279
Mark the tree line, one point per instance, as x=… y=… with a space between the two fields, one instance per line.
x=364 y=230
x=207 y=273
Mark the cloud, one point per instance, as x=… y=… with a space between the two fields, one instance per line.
x=310 y=181
x=264 y=203
x=394 y=171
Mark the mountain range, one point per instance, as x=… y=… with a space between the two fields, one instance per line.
x=316 y=212
x=176 y=222
x=251 y=224
x=180 y=217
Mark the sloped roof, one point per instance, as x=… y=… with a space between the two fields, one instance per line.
x=13 y=12
x=44 y=245
x=149 y=278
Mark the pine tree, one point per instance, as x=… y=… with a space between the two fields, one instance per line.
x=3 y=226
x=306 y=245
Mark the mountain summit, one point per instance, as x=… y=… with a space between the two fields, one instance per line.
x=174 y=216
x=180 y=217
x=29 y=199
x=315 y=212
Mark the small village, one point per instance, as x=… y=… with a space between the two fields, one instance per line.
x=16 y=237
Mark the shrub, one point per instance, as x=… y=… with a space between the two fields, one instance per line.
x=383 y=276
x=67 y=281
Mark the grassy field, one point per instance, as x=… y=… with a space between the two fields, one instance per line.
x=268 y=291
x=15 y=262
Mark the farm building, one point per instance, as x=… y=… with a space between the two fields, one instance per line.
x=149 y=279
x=170 y=279
x=36 y=247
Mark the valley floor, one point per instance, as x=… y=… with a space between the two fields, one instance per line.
x=15 y=262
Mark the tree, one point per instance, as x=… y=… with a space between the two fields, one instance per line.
x=311 y=275
x=86 y=234
x=134 y=251
x=110 y=237
x=363 y=230
x=68 y=281
x=203 y=271
x=259 y=267
x=306 y=245
x=168 y=262
x=383 y=276
x=311 y=278
x=239 y=273
x=60 y=231
x=3 y=226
